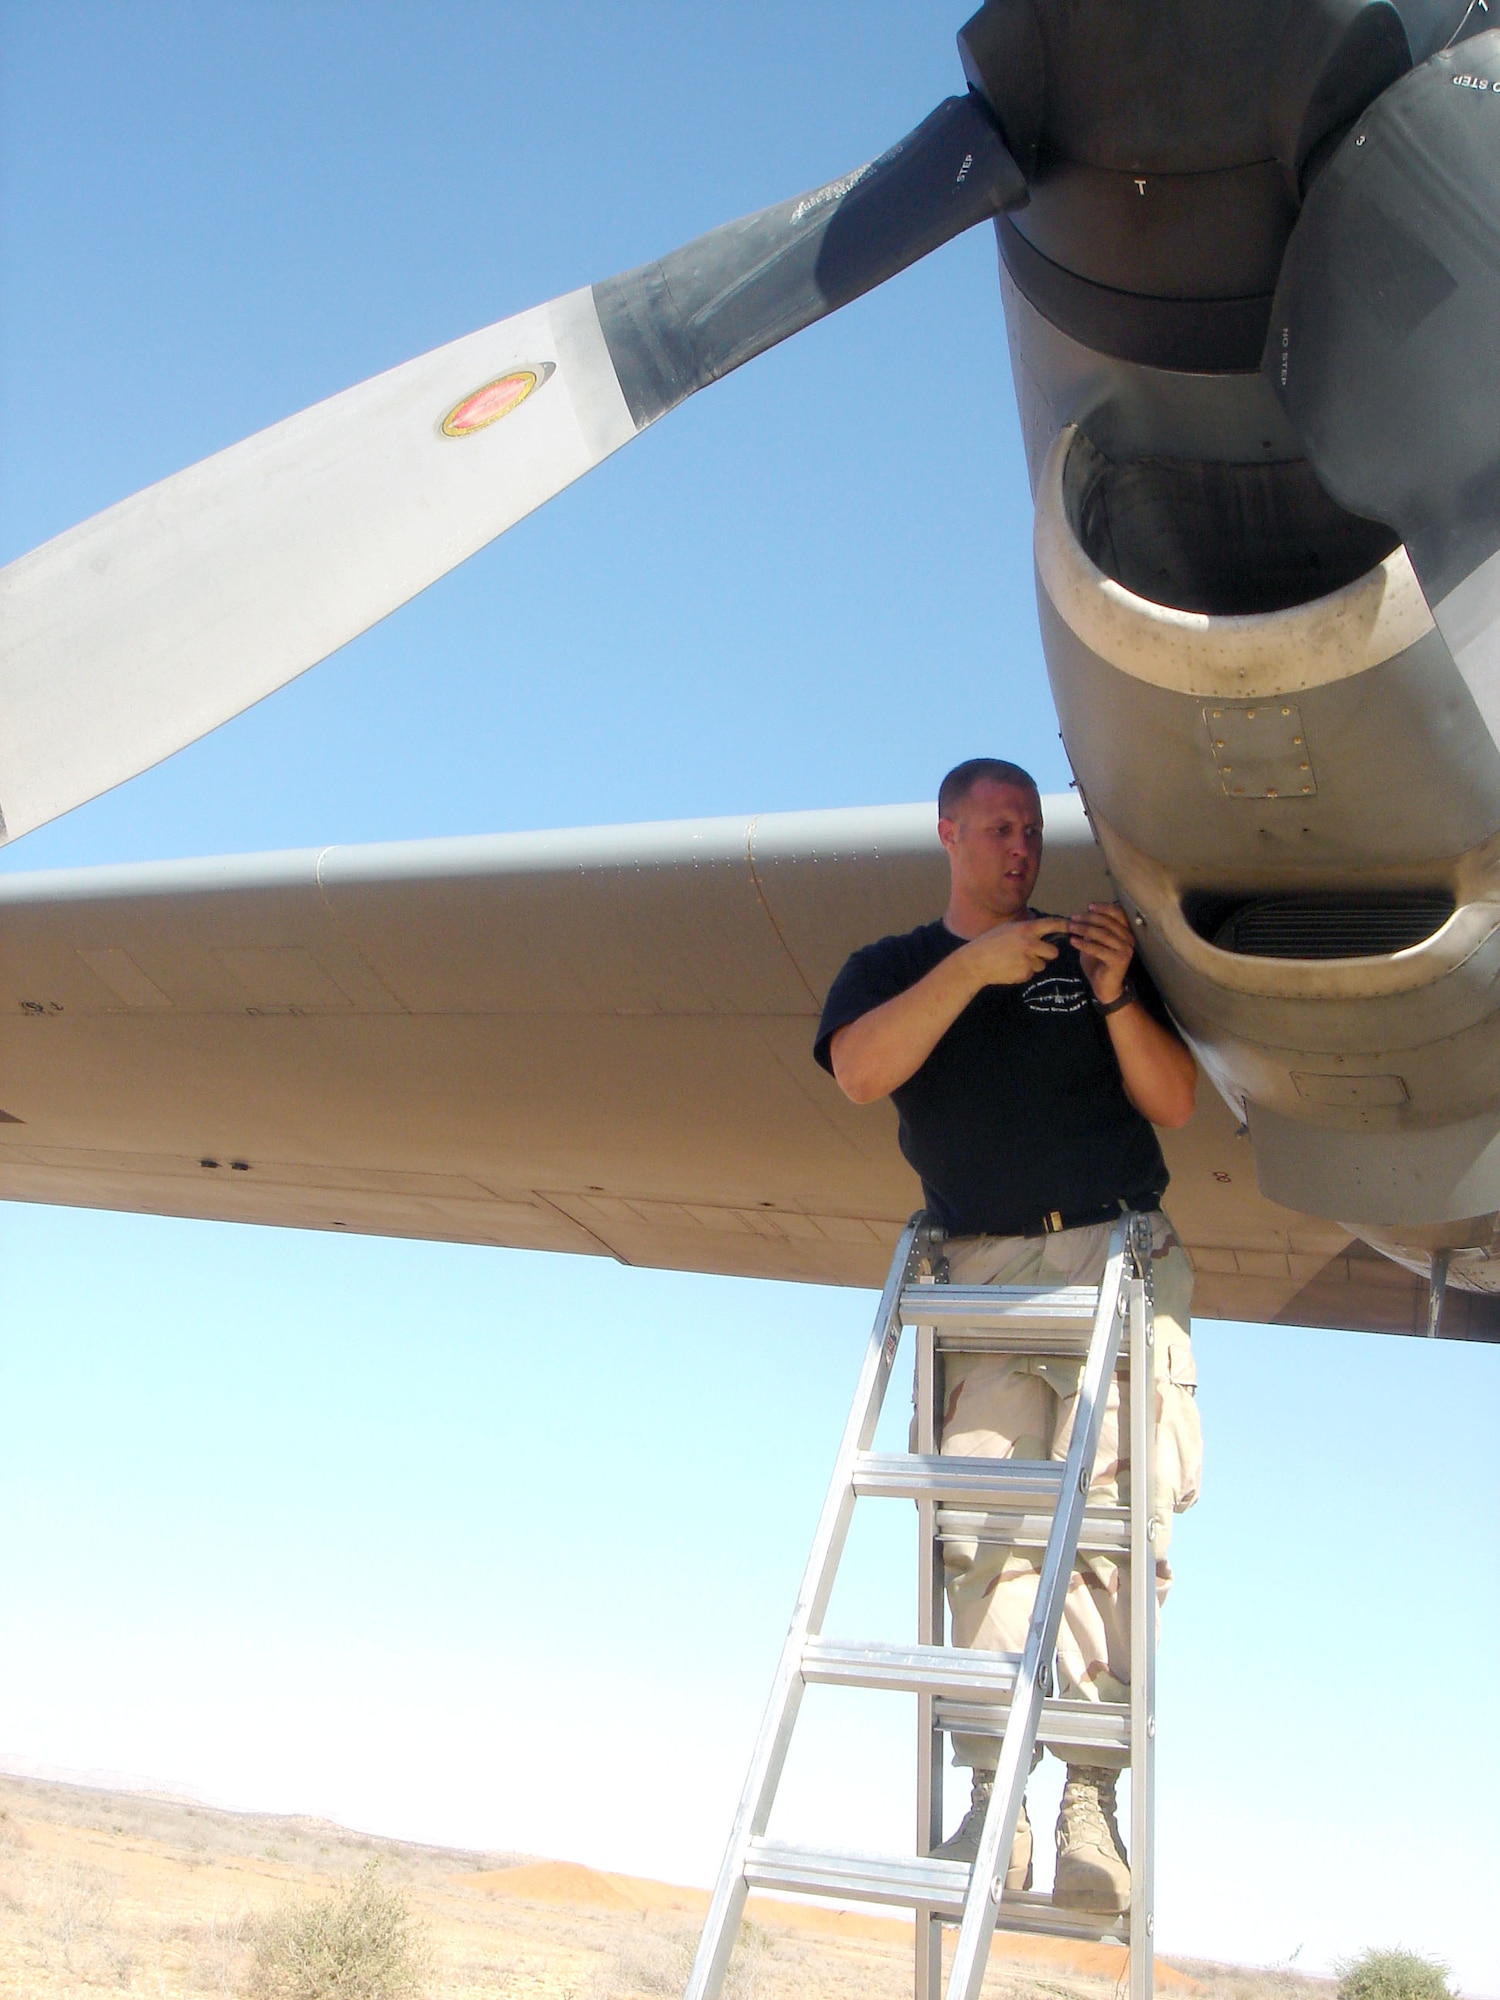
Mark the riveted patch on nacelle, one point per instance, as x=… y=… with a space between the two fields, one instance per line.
x=1260 y=749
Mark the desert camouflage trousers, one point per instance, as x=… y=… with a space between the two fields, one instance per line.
x=1000 y=1406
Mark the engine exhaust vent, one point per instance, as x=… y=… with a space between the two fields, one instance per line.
x=1319 y=925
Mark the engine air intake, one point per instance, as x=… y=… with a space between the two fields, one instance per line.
x=1225 y=539
x=1319 y=925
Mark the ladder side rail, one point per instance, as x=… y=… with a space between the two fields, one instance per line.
x=927 y=1982
x=1142 y=1631
x=987 y=1880
x=774 y=1737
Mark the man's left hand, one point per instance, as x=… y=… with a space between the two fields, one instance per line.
x=1105 y=946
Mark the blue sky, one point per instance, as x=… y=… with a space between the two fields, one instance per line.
x=494 y=1548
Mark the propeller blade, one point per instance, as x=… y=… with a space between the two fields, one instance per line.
x=135 y=633
x=1383 y=343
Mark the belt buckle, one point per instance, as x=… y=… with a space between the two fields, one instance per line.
x=1052 y=1222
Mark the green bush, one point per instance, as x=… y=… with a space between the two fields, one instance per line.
x=360 y=1942
x=1393 y=1975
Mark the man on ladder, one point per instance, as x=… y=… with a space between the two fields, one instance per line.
x=1028 y=1066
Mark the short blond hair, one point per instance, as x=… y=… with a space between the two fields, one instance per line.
x=962 y=779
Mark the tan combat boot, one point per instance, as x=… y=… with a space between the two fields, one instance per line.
x=963 y=1843
x=1092 y=1871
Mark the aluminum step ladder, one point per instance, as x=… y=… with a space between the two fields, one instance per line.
x=1035 y=1505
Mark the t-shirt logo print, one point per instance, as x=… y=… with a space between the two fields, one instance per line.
x=1055 y=993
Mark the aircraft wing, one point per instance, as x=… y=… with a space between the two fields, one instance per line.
x=594 y=1041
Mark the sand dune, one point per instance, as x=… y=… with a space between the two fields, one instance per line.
x=569 y=1885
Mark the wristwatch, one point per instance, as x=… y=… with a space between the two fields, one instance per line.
x=1122 y=999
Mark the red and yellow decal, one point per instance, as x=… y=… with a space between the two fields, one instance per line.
x=495 y=400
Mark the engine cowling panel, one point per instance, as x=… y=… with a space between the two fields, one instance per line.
x=1301 y=805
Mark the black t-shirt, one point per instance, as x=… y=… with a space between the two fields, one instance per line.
x=1020 y=1109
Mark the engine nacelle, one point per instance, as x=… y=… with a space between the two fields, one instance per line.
x=1300 y=803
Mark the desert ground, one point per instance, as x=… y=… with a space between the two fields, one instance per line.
x=127 y=1893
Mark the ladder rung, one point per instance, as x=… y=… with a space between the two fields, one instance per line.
x=1011 y=1485
x=1027 y=1346
x=1034 y=1910
x=1065 y=1310
x=936 y=1885
x=1106 y=1530
x=973 y=1689
x=1066 y=1722
x=998 y=1319
x=1022 y=1343
x=862 y=1878
x=949 y=1670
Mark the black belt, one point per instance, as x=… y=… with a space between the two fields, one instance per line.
x=1069 y=1218
x=1060 y=1218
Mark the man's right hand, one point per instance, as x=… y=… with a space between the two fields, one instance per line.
x=1011 y=953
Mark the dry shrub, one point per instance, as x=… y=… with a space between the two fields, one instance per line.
x=1233 y=1982
x=359 y=1942
x=78 y=1904
x=1393 y=1975
x=217 y=1950
x=658 y=1963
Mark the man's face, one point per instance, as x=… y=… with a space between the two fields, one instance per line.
x=994 y=844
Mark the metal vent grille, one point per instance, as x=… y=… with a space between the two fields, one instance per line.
x=1332 y=926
